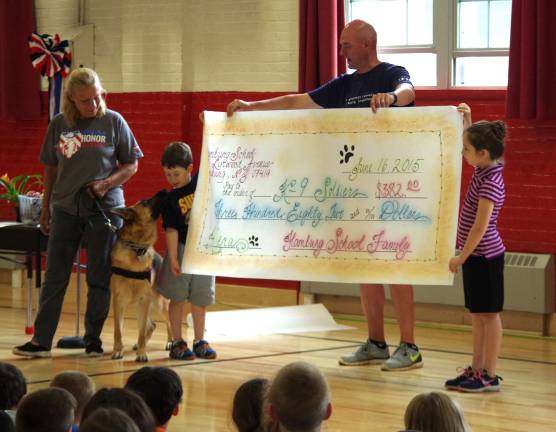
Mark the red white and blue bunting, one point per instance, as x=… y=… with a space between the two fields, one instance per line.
x=52 y=58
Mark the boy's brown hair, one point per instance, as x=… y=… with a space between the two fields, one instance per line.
x=79 y=385
x=299 y=397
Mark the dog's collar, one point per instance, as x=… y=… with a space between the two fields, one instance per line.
x=132 y=274
x=140 y=249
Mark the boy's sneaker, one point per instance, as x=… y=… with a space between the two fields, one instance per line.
x=454 y=383
x=180 y=351
x=405 y=357
x=202 y=349
x=94 y=349
x=367 y=353
x=31 y=350
x=481 y=382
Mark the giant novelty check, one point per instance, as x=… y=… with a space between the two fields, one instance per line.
x=340 y=195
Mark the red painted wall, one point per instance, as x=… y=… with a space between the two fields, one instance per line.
x=527 y=222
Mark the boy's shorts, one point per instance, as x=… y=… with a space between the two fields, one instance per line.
x=483 y=284
x=197 y=289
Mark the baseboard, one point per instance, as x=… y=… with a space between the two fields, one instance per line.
x=445 y=314
x=229 y=296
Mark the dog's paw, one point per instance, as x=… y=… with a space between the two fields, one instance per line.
x=141 y=358
x=117 y=355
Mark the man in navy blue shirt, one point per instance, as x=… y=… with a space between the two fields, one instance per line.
x=374 y=84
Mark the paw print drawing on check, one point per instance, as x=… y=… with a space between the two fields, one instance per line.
x=346 y=154
x=253 y=241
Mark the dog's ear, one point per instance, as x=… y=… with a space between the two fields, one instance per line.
x=158 y=201
x=125 y=213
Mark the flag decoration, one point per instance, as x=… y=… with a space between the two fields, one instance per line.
x=52 y=58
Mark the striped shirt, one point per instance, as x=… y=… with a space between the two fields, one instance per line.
x=486 y=183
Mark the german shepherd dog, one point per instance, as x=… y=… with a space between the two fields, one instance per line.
x=133 y=273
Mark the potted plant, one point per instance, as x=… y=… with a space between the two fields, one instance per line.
x=24 y=184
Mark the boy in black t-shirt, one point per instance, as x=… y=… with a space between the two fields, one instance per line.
x=177 y=163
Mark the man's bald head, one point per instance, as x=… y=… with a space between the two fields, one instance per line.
x=362 y=31
x=358 y=46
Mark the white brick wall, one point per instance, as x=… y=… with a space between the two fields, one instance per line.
x=189 y=45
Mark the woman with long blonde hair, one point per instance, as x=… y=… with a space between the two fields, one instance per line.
x=88 y=152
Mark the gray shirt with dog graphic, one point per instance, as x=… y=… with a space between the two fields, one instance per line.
x=90 y=151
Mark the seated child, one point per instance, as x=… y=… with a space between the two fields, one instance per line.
x=434 y=412
x=299 y=398
x=80 y=386
x=161 y=389
x=12 y=388
x=46 y=410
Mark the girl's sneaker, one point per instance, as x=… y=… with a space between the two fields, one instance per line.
x=180 y=351
x=202 y=349
x=481 y=382
x=454 y=383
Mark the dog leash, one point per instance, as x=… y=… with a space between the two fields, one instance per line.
x=107 y=220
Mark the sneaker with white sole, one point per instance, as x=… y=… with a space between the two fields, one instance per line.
x=405 y=357
x=29 y=349
x=367 y=353
x=465 y=374
x=481 y=382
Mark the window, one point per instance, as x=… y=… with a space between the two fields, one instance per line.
x=442 y=43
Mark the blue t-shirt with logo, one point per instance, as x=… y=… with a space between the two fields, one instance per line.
x=355 y=90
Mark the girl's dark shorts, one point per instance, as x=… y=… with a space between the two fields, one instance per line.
x=483 y=284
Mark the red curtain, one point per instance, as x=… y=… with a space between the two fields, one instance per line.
x=19 y=82
x=320 y=25
x=531 y=88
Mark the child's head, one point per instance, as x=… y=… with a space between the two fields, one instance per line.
x=434 y=412
x=124 y=399
x=49 y=409
x=160 y=388
x=108 y=419
x=247 y=407
x=299 y=397
x=486 y=137
x=12 y=386
x=79 y=385
x=177 y=163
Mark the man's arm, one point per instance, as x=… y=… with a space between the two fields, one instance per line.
x=403 y=95
x=287 y=102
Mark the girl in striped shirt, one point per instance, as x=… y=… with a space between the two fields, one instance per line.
x=482 y=251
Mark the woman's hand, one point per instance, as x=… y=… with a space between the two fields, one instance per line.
x=44 y=219
x=98 y=188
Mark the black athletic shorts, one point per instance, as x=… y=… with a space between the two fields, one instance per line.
x=483 y=284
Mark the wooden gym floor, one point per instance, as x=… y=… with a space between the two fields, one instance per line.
x=364 y=398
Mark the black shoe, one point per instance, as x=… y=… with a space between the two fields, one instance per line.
x=94 y=349
x=31 y=350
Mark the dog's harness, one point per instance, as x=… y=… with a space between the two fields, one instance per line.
x=132 y=274
x=140 y=250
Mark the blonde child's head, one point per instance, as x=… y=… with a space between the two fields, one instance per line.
x=83 y=96
x=81 y=387
x=434 y=412
x=299 y=397
x=489 y=136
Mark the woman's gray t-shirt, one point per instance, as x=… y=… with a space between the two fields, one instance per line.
x=92 y=150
